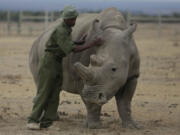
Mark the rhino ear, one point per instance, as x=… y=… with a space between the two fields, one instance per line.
x=96 y=26
x=130 y=30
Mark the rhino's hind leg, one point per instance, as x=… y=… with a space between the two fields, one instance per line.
x=93 y=115
x=123 y=100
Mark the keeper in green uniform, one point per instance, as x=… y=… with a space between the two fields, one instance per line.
x=50 y=70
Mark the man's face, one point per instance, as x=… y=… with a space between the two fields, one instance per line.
x=70 y=22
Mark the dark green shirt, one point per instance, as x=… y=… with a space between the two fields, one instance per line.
x=60 y=40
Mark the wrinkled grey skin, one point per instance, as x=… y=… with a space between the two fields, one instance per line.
x=101 y=72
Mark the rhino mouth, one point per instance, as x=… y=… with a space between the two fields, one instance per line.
x=94 y=94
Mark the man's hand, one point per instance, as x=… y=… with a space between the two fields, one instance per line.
x=98 y=41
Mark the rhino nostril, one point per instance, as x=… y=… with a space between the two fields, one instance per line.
x=113 y=69
x=100 y=96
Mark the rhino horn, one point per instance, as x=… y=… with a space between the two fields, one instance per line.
x=83 y=71
x=131 y=29
x=95 y=61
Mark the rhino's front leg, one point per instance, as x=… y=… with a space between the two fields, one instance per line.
x=123 y=100
x=93 y=115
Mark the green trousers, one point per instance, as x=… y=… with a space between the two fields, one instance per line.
x=49 y=84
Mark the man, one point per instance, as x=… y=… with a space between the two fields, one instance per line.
x=50 y=70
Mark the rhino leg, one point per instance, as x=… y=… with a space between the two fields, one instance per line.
x=93 y=115
x=123 y=100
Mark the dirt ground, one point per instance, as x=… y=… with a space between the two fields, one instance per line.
x=155 y=106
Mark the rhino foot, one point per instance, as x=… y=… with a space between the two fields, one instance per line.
x=131 y=124
x=92 y=125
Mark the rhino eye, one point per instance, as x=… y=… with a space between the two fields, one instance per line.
x=113 y=69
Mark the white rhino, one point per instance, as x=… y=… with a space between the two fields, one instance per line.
x=101 y=72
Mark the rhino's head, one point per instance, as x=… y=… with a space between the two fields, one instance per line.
x=108 y=68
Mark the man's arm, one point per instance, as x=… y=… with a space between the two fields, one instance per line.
x=96 y=42
x=81 y=41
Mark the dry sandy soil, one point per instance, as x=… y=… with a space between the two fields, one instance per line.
x=155 y=106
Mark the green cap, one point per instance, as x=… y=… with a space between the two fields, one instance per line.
x=69 y=12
